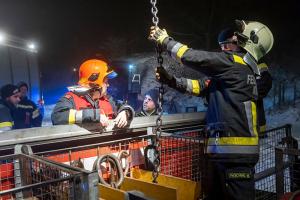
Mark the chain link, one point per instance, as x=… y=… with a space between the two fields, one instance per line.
x=154 y=12
x=157 y=130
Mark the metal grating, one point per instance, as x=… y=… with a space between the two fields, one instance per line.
x=28 y=177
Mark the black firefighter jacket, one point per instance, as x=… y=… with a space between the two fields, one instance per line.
x=6 y=116
x=27 y=114
x=232 y=93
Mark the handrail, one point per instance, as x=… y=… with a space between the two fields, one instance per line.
x=67 y=134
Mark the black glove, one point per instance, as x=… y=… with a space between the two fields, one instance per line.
x=164 y=77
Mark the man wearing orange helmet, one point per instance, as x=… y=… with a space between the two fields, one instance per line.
x=88 y=101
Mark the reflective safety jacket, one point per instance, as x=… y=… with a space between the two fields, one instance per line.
x=27 y=114
x=6 y=119
x=73 y=108
x=231 y=94
x=264 y=85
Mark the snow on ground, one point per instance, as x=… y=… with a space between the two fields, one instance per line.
x=280 y=117
x=285 y=115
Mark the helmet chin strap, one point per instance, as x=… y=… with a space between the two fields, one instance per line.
x=92 y=90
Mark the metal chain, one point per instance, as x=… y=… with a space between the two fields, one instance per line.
x=154 y=12
x=157 y=130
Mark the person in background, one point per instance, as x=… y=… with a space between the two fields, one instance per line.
x=150 y=104
x=88 y=102
x=10 y=97
x=27 y=114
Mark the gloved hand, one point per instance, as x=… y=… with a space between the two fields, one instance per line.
x=158 y=35
x=121 y=119
x=164 y=77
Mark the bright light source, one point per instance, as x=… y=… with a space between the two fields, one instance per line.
x=2 y=37
x=31 y=46
x=74 y=69
x=130 y=67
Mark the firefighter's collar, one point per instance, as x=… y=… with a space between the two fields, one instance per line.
x=252 y=63
x=78 y=89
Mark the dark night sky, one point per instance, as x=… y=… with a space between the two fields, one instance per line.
x=68 y=32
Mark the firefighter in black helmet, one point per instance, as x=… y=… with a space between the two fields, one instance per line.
x=232 y=147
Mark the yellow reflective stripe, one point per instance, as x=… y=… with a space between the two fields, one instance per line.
x=6 y=124
x=72 y=118
x=245 y=141
x=262 y=66
x=239 y=60
x=196 y=87
x=254 y=118
x=181 y=51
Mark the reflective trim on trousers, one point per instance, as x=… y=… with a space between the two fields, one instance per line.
x=233 y=149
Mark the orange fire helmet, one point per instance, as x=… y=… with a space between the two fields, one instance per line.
x=92 y=73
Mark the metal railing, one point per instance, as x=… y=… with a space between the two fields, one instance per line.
x=30 y=177
x=181 y=153
x=287 y=172
x=265 y=180
x=182 y=156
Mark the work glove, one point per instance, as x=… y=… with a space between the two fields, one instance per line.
x=158 y=35
x=121 y=119
x=164 y=77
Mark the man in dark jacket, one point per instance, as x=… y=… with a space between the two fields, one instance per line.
x=263 y=81
x=150 y=104
x=27 y=114
x=232 y=144
x=10 y=97
x=88 y=102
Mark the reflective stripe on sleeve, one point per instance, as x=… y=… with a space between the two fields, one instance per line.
x=193 y=87
x=181 y=51
x=6 y=124
x=72 y=116
x=196 y=87
x=78 y=117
